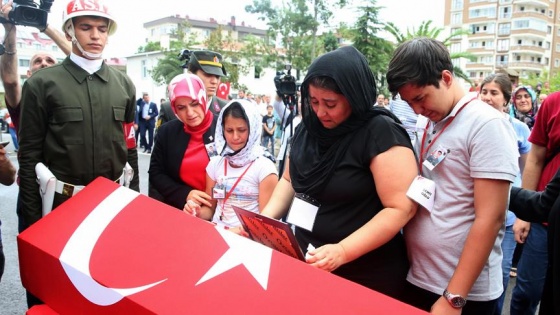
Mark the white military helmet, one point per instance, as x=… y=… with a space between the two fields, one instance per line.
x=76 y=8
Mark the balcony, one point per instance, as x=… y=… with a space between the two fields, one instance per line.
x=526 y=65
x=530 y=14
x=531 y=49
x=520 y=33
x=480 y=50
x=537 y=3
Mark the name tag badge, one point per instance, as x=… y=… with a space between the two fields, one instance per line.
x=219 y=190
x=211 y=149
x=423 y=191
x=435 y=158
x=303 y=211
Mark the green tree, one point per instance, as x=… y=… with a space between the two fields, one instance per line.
x=296 y=24
x=426 y=30
x=149 y=47
x=224 y=43
x=330 y=42
x=170 y=65
x=376 y=49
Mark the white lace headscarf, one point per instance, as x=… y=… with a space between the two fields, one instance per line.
x=253 y=149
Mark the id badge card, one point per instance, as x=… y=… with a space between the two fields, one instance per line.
x=211 y=149
x=303 y=211
x=423 y=191
x=435 y=157
x=219 y=190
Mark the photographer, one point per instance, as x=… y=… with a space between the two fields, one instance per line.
x=9 y=60
x=7 y=177
x=287 y=97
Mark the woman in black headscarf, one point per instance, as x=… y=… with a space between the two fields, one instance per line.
x=348 y=172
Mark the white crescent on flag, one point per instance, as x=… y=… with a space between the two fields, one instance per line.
x=76 y=255
x=223 y=90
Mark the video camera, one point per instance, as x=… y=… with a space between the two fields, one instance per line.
x=285 y=83
x=185 y=55
x=28 y=13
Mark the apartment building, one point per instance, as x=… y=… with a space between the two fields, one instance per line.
x=518 y=36
x=161 y=30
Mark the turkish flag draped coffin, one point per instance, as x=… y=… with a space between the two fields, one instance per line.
x=110 y=250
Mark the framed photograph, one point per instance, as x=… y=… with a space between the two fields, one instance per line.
x=273 y=233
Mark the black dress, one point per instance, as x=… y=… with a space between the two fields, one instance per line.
x=350 y=200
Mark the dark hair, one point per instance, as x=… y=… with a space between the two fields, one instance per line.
x=420 y=62
x=235 y=110
x=503 y=82
x=326 y=83
x=193 y=67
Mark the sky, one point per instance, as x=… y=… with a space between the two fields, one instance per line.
x=132 y=14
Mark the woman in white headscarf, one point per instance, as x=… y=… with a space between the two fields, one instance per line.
x=241 y=175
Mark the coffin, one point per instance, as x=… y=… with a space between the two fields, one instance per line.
x=110 y=250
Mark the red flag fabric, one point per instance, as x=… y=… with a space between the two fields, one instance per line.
x=111 y=250
x=223 y=90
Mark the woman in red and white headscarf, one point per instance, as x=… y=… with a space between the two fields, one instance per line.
x=183 y=147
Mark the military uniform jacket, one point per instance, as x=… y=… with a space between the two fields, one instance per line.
x=73 y=122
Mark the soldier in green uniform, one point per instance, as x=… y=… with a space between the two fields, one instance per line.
x=73 y=113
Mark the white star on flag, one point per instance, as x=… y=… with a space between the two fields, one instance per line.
x=255 y=256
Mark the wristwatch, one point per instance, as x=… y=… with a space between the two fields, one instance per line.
x=455 y=300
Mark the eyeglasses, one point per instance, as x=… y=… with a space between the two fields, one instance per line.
x=521 y=96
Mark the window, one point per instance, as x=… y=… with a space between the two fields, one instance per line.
x=144 y=69
x=457 y=18
x=502 y=60
x=504 y=28
x=556 y=63
x=489 y=12
x=557 y=47
x=503 y=45
x=455 y=48
x=505 y=12
x=532 y=24
x=457 y=5
x=24 y=63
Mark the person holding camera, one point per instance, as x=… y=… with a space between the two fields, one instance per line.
x=9 y=59
x=341 y=169
x=7 y=177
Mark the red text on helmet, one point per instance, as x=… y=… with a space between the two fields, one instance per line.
x=88 y=5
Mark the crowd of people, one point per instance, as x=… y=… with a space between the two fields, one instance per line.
x=414 y=195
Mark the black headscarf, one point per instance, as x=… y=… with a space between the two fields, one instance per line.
x=316 y=150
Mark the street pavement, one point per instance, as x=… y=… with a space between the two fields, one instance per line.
x=12 y=295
